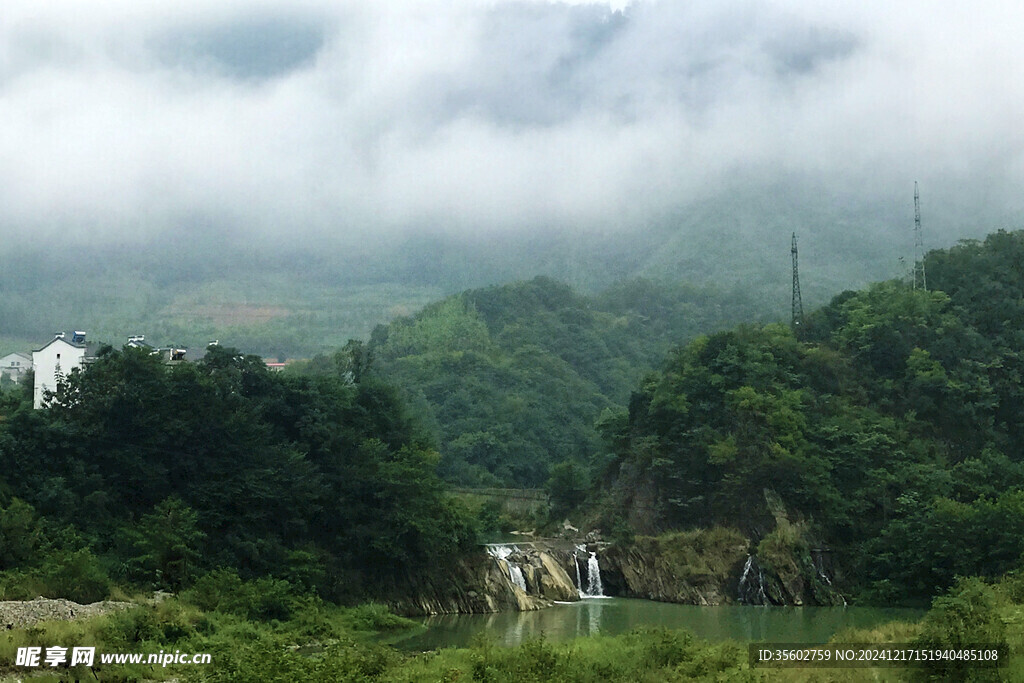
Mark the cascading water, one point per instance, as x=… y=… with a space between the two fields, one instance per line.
x=502 y=554
x=579 y=581
x=517 y=576
x=819 y=564
x=594 y=589
x=746 y=590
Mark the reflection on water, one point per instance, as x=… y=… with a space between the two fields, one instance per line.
x=611 y=616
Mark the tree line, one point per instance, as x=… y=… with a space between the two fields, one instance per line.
x=891 y=428
x=154 y=475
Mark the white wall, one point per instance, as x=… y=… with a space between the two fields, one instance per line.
x=15 y=365
x=58 y=358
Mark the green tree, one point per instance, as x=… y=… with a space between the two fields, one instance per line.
x=21 y=535
x=168 y=542
x=567 y=487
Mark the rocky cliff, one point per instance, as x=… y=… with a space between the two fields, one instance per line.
x=716 y=567
x=713 y=566
x=700 y=567
x=522 y=577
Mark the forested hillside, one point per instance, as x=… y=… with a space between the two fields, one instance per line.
x=888 y=430
x=513 y=378
x=143 y=474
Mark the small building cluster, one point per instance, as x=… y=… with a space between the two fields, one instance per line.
x=62 y=354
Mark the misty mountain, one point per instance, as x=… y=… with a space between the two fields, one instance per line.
x=296 y=299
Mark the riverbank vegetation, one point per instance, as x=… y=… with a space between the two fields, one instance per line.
x=299 y=637
x=304 y=639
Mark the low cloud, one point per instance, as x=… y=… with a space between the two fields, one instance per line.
x=367 y=119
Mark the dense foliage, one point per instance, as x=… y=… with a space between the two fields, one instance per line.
x=892 y=426
x=166 y=472
x=514 y=377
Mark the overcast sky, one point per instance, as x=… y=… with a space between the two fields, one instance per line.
x=293 y=119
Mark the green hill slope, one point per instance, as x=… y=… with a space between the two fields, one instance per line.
x=890 y=432
x=514 y=377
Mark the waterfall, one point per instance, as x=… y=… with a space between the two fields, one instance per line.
x=501 y=553
x=594 y=587
x=744 y=590
x=517 y=576
x=579 y=581
x=820 y=566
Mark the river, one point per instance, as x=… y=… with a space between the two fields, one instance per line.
x=612 y=616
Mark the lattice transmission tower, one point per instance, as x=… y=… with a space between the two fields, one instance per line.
x=920 y=278
x=798 y=304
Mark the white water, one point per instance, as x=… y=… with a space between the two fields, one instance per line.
x=502 y=553
x=594 y=588
x=742 y=590
x=820 y=566
x=517 y=576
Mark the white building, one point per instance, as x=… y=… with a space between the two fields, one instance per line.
x=15 y=365
x=55 y=361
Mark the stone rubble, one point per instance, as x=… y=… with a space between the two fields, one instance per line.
x=23 y=613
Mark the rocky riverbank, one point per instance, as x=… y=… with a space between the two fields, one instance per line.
x=22 y=613
x=520 y=577
x=719 y=566
x=715 y=566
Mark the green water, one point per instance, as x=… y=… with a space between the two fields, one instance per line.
x=611 y=616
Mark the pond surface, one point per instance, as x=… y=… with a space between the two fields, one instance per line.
x=612 y=616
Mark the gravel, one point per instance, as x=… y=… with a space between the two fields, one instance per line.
x=23 y=613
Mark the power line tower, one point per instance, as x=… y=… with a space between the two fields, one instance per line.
x=920 y=279
x=798 y=304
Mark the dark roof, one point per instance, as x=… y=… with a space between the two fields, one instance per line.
x=84 y=345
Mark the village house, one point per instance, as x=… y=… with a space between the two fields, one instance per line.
x=55 y=360
x=15 y=365
x=63 y=354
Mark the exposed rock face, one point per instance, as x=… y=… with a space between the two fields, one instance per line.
x=22 y=613
x=543 y=570
x=695 y=568
x=714 y=567
x=555 y=582
x=700 y=567
x=472 y=584
x=523 y=576
x=799 y=579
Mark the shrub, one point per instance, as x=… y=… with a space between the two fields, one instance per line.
x=224 y=591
